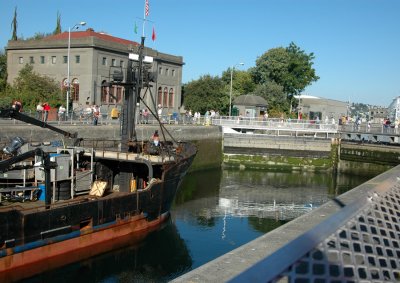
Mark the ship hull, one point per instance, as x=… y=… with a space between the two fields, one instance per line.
x=80 y=246
x=40 y=238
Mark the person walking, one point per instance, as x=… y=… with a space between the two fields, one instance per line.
x=160 y=112
x=39 y=111
x=145 y=115
x=96 y=114
x=46 y=110
x=61 y=113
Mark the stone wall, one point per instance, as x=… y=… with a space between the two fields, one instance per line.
x=277 y=153
x=237 y=150
x=207 y=138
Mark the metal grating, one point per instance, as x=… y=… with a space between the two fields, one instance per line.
x=359 y=243
x=365 y=249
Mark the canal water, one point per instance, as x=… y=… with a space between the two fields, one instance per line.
x=214 y=212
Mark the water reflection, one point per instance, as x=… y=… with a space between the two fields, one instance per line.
x=222 y=210
x=244 y=193
x=214 y=212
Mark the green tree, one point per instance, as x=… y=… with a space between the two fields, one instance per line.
x=58 y=25
x=301 y=72
x=206 y=93
x=14 y=25
x=32 y=88
x=37 y=36
x=3 y=71
x=275 y=96
x=271 y=66
x=288 y=67
x=242 y=82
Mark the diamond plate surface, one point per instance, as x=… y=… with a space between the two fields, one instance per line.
x=365 y=249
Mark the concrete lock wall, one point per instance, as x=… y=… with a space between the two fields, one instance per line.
x=207 y=139
x=274 y=153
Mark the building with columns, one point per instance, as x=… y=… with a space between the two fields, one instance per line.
x=94 y=56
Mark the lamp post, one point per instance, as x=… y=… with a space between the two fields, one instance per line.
x=230 y=92
x=69 y=50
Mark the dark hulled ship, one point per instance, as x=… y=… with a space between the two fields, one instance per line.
x=82 y=201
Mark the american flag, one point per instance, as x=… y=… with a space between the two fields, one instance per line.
x=147 y=8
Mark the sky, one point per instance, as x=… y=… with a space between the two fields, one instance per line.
x=355 y=42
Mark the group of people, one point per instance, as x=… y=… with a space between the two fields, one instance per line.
x=42 y=111
x=90 y=112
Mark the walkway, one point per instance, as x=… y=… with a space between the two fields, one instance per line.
x=276 y=126
x=377 y=133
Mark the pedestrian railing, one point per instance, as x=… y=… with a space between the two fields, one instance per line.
x=234 y=122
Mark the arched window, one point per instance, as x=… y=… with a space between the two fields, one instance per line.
x=112 y=91
x=104 y=92
x=159 y=98
x=165 y=97
x=120 y=93
x=171 y=98
x=75 y=90
x=111 y=95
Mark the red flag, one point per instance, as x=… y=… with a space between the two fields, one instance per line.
x=147 y=8
x=153 y=36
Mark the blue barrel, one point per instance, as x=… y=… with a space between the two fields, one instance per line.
x=42 y=192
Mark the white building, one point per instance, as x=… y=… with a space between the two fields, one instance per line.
x=313 y=107
x=394 y=109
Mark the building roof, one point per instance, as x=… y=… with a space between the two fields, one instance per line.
x=306 y=96
x=90 y=32
x=317 y=99
x=250 y=100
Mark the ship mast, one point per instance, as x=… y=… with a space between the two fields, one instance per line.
x=133 y=83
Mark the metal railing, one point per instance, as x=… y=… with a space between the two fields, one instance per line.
x=274 y=123
x=79 y=117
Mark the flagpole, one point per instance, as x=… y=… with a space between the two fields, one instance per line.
x=144 y=22
x=145 y=14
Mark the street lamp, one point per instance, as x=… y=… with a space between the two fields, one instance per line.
x=69 y=49
x=230 y=92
